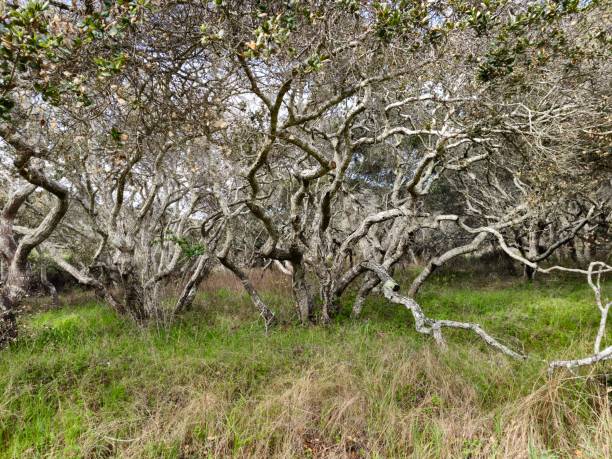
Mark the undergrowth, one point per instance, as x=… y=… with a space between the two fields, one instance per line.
x=83 y=382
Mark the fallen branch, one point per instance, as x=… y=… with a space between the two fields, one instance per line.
x=606 y=354
x=424 y=324
x=593 y=273
x=597 y=268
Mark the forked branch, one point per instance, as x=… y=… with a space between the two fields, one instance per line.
x=596 y=269
x=426 y=325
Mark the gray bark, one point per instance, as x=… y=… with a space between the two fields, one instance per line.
x=265 y=312
x=365 y=289
x=436 y=262
x=302 y=295
x=424 y=324
x=606 y=354
x=188 y=294
x=15 y=255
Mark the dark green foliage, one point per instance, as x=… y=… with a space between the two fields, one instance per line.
x=33 y=48
x=189 y=249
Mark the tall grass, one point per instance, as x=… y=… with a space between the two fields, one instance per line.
x=85 y=383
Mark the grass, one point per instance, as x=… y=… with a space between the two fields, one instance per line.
x=83 y=382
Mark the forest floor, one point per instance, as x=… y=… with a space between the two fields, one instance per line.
x=82 y=382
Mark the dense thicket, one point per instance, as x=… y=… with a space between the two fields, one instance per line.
x=146 y=141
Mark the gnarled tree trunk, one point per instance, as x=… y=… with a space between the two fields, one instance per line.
x=301 y=293
x=15 y=255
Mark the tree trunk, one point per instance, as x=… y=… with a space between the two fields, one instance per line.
x=202 y=270
x=8 y=321
x=532 y=254
x=11 y=294
x=16 y=255
x=265 y=312
x=330 y=305
x=134 y=298
x=44 y=280
x=573 y=252
x=133 y=294
x=529 y=273
x=2 y=272
x=302 y=295
x=370 y=282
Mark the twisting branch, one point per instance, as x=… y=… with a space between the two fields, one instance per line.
x=202 y=269
x=224 y=257
x=603 y=308
x=15 y=254
x=424 y=324
x=436 y=262
x=606 y=354
x=596 y=269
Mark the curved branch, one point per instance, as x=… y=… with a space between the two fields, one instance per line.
x=424 y=324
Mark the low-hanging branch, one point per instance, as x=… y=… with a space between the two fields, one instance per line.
x=596 y=269
x=593 y=273
x=426 y=325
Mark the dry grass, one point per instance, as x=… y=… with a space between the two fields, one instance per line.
x=404 y=405
x=268 y=280
x=554 y=415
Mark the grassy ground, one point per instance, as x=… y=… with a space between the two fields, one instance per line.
x=84 y=383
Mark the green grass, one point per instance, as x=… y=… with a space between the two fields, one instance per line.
x=82 y=382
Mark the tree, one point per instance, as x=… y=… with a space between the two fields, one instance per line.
x=38 y=50
x=332 y=84
x=333 y=139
